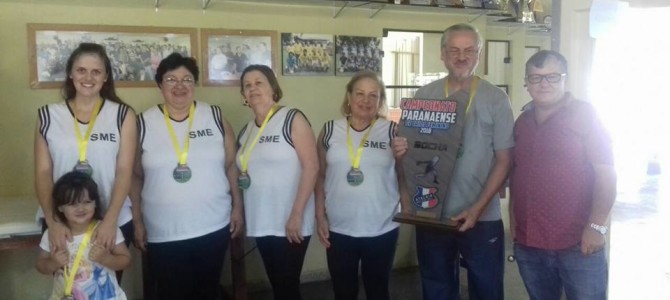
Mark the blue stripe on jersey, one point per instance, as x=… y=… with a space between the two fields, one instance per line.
x=141 y=128
x=392 y=131
x=239 y=136
x=121 y=116
x=327 y=134
x=216 y=112
x=286 y=129
x=45 y=120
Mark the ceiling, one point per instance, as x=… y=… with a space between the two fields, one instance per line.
x=199 y=4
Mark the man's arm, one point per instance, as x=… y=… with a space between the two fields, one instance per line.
x=604 y=194
x=496 y=178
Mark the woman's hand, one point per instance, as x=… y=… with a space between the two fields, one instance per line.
x=236 y=222
x=293 y=228
x=140 y=241
x=399 y=146
x=323 y=230
x=59 y=235
x=105 y=234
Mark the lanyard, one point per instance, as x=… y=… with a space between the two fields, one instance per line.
x=356 y=159
x=473 y=91
x=82 y=141
x=182 y=153
x=246 y=153
x=69 y=276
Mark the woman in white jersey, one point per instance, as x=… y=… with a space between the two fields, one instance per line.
x=182 y=184
x=358 y=191
x=94 y=132
x=278 y=167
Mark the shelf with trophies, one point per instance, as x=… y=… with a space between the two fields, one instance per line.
x=512 y=13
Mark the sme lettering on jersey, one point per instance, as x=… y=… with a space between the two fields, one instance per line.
x=375 y=145
x=201 y=133
x=268 y=139
x=103 y=137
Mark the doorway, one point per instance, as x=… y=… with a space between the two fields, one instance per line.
x=628 y=87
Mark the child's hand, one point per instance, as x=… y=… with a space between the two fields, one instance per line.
x=97 y=253
x=61 y=257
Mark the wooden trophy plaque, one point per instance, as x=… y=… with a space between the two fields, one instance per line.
x=433 y=129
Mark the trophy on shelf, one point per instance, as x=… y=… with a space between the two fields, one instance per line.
x=433 y=129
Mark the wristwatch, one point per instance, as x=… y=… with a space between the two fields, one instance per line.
x=602 y=229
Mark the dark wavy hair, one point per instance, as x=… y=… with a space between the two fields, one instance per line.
x=269 y=74
x=108 y=91
x=70 y=188
x=174 y=61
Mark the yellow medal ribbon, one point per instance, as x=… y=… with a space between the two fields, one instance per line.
x=246 y=153
x=356 y=159
x=473 y=91
x=82 y=141
x=69 y=275
x=182 y=153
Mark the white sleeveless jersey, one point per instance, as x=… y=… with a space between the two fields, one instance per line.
x=57 y=128
x=365 y=210
x=275 y=172
x=176 y=211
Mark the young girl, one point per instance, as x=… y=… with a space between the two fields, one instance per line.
x=82 y=270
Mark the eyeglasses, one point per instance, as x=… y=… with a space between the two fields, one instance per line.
x=551 y=78
x=172 y=81
x=455 y=52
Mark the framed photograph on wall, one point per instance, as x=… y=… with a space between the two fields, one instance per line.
x=305 y=54
x=135 y=51
x=227 y=52
x=356 y=53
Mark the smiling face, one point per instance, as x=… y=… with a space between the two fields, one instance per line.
x=88 y=75
x=365 y=99
x=79 y=212
x=257 y=89
x=460 y=54
x=178 y=87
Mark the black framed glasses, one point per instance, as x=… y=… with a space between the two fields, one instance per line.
x=551 y=78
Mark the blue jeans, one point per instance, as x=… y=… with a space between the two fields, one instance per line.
x=483 y=251
x=375 y=256
x=547 y=272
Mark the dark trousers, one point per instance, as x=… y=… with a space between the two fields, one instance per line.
x=375 y=255
x=482 y=249
x=283 y=264
x=189 y=269
x=128 y=231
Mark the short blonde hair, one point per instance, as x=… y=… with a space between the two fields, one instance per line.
x=346 y=109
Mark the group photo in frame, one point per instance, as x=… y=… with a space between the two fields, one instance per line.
x=306 y=54
x=357 y=53
x=227 y=52
x=135 y=51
